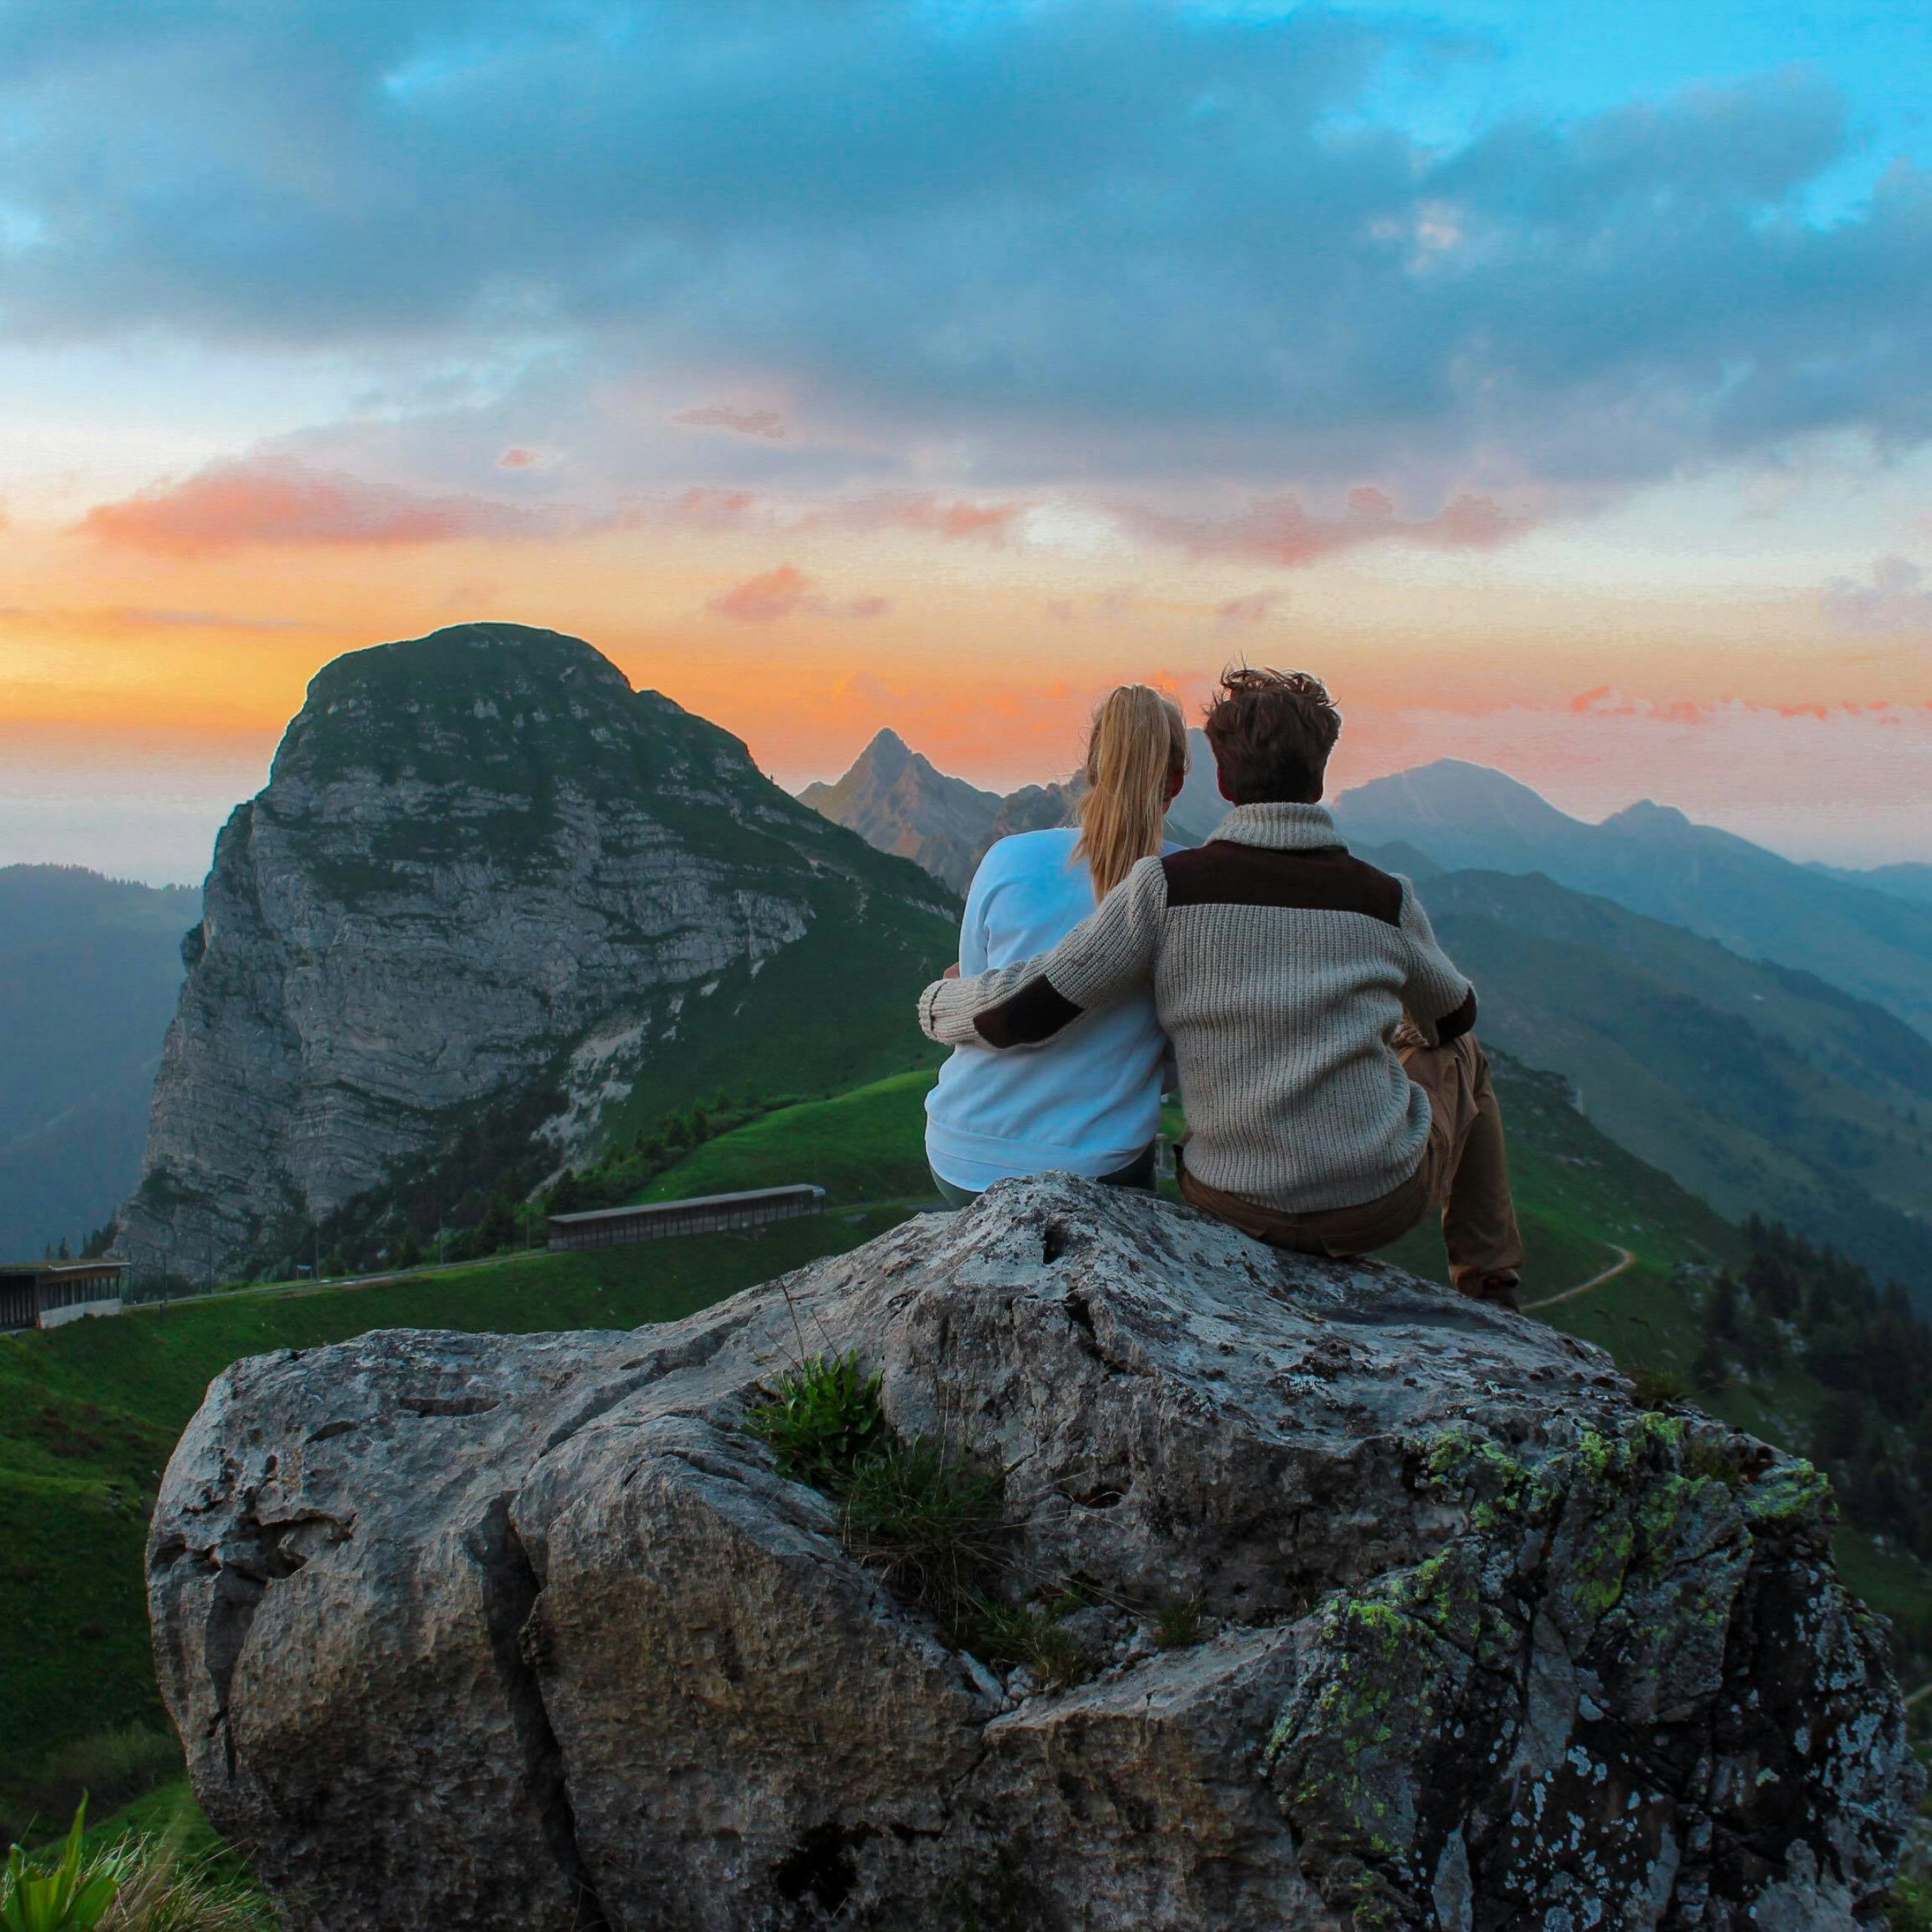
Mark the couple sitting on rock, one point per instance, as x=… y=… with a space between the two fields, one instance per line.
x=1334 y=1088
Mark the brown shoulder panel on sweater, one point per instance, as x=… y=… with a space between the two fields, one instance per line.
x=1453 y=1026
x=1329 y=880
x=1034 y=1013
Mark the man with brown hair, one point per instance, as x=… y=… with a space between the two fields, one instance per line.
x=1334 y=1089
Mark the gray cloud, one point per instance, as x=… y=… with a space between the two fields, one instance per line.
x=1082 y=238
x=1897 y=598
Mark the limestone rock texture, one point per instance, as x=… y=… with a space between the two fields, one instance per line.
x=484 y=867
x=530 y=1632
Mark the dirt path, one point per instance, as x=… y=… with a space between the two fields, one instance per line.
x=1625 y=1260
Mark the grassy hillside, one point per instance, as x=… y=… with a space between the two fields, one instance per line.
x=865 y=1145
x=1583 y=1201
x=835 y=1010
x=1756 y=1086
x=89 y=1413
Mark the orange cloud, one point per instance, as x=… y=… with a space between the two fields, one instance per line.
x=276 y=500
x=765 y=598
x=1606 y=701
x=1281 y=531
x=784 y=593
x=712 y=509
x=1250 y=610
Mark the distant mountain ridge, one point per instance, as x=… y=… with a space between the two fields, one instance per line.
x=1655 y=860
x=90 y=970
x=491 y=897
x=1907 y=880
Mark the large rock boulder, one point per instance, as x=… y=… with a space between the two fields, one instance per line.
x=1396 y=1612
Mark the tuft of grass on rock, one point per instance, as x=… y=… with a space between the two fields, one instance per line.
x=1659 y=1388
x=1179 y=1625
x=821 y=1420
x=1025 y=1633
x=933 y=1524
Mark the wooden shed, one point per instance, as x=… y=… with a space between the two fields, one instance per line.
x=43 y=1294
x=702 y=1213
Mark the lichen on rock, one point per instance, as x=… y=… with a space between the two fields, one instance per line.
x=534 y=1632
x=1559 y=1717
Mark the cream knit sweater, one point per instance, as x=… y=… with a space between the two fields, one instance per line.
x=1281 y=967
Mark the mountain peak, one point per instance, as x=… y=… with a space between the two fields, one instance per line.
x=465 y=655
x=1451 y=800
x=1647 y=815
x=885 y=759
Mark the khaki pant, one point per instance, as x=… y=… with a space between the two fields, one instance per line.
x=1464 y=1170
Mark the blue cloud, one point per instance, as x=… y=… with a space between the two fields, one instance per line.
x=1120 y=238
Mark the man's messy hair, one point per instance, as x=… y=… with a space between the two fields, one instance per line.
x=1272 y=732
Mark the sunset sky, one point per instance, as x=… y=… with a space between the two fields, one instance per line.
x=1556 y=379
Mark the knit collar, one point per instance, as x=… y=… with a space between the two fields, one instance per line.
x=1286 y=828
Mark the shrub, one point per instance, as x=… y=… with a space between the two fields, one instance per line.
x=1659 y=1388
x=72 y=1895
x=116 y=1765
x=1909 y=1908
x=498 y=1228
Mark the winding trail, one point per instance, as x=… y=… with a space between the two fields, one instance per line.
x=1625 y=1260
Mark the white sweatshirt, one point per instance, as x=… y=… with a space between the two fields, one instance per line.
x=1087 y=1101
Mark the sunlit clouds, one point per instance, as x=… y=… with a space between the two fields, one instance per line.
x=1568 y=406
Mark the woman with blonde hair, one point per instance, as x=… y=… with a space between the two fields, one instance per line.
x=1088 y=1101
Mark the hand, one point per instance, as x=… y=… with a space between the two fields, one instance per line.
x=952 y=972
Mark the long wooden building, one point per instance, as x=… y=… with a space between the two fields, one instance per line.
x=702 y=1213
x=43 y=1294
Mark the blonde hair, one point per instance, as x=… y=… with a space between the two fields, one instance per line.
x=1136 y=749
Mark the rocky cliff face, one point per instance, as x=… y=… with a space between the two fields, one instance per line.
x=482 y=862
x=533 y=1633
